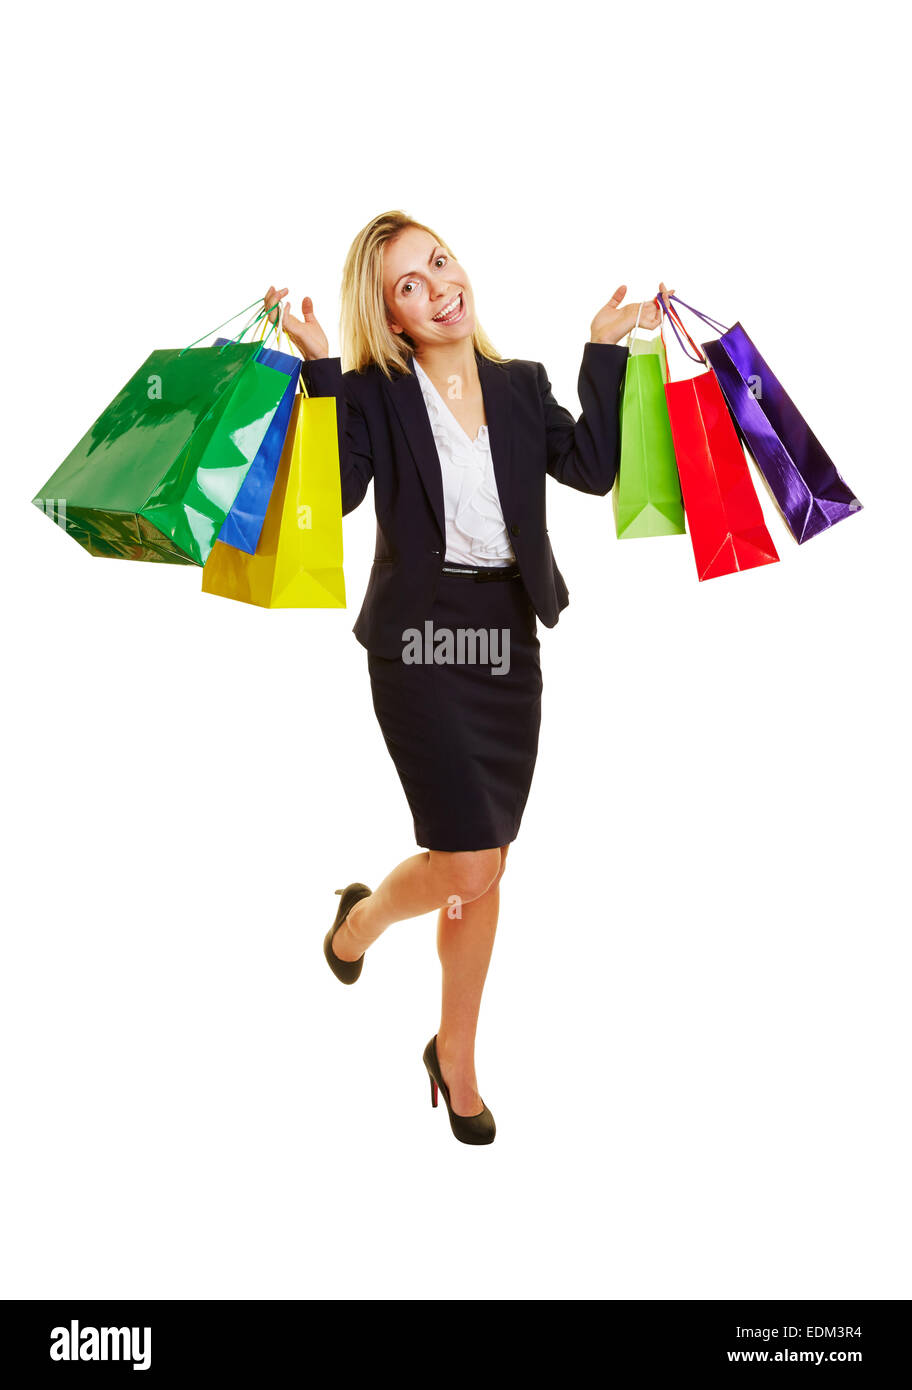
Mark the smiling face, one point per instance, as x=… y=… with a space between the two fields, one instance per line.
x=427 y=293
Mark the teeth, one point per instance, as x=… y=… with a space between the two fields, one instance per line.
x=451 y=307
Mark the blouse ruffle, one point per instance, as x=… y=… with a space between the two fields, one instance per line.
x=476 y=533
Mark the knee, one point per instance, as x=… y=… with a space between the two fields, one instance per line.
x=500 y=870
x=470 y=875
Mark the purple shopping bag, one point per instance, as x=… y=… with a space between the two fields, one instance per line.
x=801 y=476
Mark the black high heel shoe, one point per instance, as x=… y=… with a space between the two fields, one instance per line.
x=468 y=1129
x=345 y=970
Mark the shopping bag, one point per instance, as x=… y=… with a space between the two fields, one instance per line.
x=298 y=560
x=244 y=522
x=157 y=473
x=724 y=516
x=646 y=496
x=802 y=478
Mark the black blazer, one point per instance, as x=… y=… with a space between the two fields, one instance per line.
x=385 y=434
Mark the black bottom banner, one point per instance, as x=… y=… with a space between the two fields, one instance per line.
x=261 y=1341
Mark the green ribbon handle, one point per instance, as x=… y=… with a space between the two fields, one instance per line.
x=252 y=323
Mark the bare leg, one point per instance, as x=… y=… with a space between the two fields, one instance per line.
x=417 y=885
x=464 y=945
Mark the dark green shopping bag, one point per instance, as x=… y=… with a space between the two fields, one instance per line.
x=158 y=472
x=647 y=492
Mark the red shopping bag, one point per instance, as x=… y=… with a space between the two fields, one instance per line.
x=724 y=517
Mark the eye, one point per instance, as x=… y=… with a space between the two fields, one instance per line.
x=442 y=257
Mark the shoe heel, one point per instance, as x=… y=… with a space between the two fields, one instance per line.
x=468 y=1129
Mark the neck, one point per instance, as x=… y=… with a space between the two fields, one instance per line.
x=448 y=360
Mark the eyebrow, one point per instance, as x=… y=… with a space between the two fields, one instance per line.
x=430 y=258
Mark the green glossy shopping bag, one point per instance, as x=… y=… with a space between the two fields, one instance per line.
x=158 y=472
x=646 y=495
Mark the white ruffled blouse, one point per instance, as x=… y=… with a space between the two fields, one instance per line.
x=475 y=530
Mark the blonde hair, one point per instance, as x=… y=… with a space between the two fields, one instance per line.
x=363 y=325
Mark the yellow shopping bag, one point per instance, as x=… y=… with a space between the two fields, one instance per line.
x=298 y=561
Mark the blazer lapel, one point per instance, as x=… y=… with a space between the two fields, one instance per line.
x=496 y=390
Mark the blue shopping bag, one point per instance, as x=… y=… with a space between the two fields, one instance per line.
x=243 y=524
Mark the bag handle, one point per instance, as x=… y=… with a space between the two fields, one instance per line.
x=674 y=319
x=264 y=336
x=676 y=323
x=633 y=332
x=292 y=350
x=631 y=336
x=252 y=323
x=713 y=323
x=275 y=327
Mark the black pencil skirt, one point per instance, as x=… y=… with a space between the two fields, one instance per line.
x=460 y=712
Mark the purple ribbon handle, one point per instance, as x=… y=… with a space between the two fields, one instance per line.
x=713 y=323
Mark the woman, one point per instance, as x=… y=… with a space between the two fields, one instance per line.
x=458 y=441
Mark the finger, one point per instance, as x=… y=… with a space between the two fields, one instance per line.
x=271 y=299
x=616 y=298
x=307 y=306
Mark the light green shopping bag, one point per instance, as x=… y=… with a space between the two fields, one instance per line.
x=646 y=496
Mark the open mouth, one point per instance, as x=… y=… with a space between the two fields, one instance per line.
x=452 y=312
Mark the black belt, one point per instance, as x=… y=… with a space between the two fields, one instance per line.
x=483 y=574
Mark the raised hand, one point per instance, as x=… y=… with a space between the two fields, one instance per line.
x=611 y=322
x=305 y=332
x=614 y=320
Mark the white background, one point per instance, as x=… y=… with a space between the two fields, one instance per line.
x=695 y=1032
